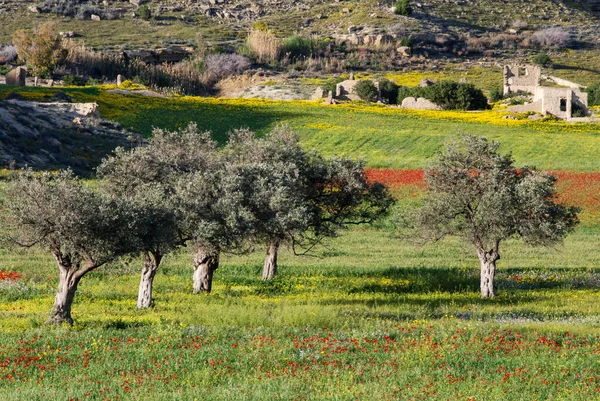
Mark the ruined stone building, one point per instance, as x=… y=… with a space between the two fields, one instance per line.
x=560 y=100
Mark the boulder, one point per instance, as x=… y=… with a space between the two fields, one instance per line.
x=95 y=17
x=16 y=77
x=404 y=51
x=419 y=104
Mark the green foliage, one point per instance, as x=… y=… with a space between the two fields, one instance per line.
x=593 y=92
x=41 y=49
x=407 y=41
x=389 y=91
x=542 y=59
x=300 y=46
x=144 y=12
x=366 y=90
x=477 y=193
x=73 y=80
x=496 y=94
x=403 y=7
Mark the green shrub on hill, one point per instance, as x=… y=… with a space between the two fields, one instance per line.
x=389 y=91
x=593 y=92
x=403 y=7
x=496 y=94
x=300 y=46
x=366 y=90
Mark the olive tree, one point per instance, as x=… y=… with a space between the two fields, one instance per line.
x=81 y=229
x=297 y=197
x=211 y=213
x=149 y=177
x=477 y=193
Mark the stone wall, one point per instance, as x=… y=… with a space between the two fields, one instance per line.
x=523 y=78
x=524 y=108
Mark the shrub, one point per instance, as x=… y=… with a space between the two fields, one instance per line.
x=300 y=46
x=542 y=59
x=264 y=45
x=496 y=94
x=7 y=53
x=404 y=92
x=223 y=65
x=593 y=92
x=551 y=38
x=72 y=80
x=389 y=91
x=468 y=97
x=41 y=49
x=366 y=90
x=144 y=12
x=403 y=8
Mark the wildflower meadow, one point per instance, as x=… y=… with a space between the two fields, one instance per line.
x=374 y=314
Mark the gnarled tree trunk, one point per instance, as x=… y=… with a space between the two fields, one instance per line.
x=487 y=259
x=206 y=261
x=270 y=266
x=149 y=269
x=67 y=286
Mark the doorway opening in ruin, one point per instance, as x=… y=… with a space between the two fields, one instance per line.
x=563 y=104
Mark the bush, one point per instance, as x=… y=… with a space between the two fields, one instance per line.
x=593 y=92
x=72 y=80
x=264 y=45
x=542 y=59
x=551 y=38
x=7 y=53
x=366 y=90
x=405 y=91
x=41 y=49
x=403 y=8
x=144 y=12
x=496 y=94
x=223 y=65
x=300 y=46
x=389 y=91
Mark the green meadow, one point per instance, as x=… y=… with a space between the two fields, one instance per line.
x=371 y=315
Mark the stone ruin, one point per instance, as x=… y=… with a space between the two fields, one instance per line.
x=16 y=77
x=559 y=101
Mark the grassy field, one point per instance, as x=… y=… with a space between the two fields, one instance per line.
x=372 y=315
x=398 y=139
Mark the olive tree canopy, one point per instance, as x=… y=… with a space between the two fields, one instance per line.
x=476 y=193
x=150 y=177
x=297 y=197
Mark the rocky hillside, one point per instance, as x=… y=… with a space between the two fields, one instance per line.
x=118 y=22
x=57 y=134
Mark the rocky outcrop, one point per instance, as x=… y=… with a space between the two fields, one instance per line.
x=419 y=104
x=57 y=135
x=173 y=54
